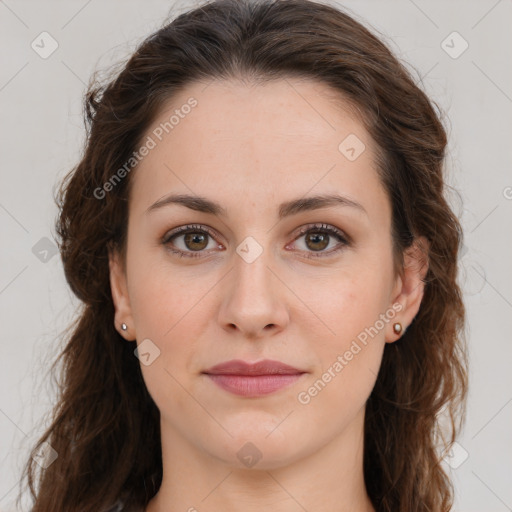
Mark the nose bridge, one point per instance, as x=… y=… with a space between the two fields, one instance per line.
x=251 y=274
x=253 y=299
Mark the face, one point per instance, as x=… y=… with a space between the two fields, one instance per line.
x=258 y=270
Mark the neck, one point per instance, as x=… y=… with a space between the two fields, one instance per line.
x=328 y=480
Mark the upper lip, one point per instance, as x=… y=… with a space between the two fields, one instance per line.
x=265 y=367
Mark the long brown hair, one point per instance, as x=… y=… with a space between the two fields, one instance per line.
x=105 y=426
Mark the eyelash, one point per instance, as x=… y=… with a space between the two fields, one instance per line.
x=316 y=228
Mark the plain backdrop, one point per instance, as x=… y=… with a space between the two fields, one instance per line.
x=461 y=51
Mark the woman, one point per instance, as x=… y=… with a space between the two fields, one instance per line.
x=267 y=263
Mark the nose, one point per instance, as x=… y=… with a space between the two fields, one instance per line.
x=254 y=300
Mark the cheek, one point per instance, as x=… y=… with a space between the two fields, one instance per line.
x=171 y=308
x=353 y=315
x=168 y=313
x=349 y=357
x=164 y=297
x=345 y=303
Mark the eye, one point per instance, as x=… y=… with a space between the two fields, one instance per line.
x=319 y=237
x=190 y=241
x=193 y=241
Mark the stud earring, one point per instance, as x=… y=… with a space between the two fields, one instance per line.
x=397 y=328
x=124 y=327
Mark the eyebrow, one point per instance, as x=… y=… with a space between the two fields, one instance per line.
x=287 y=209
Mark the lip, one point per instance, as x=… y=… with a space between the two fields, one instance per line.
x=253 y=379
x=265 y=367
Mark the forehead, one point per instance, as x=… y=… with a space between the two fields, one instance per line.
x=258 y=144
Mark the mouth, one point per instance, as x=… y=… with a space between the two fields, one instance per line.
x=253 y=379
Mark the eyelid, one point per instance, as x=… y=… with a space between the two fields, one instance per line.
x=344 y=239
x=320 y=226
x=186 y=228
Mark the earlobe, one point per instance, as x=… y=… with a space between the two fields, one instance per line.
x=123 y=314
x=410 y=286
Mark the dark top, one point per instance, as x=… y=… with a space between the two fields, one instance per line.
x=121 y=507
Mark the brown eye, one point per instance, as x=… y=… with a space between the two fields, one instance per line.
x=191 y=241
x=196 y=241
x=317 y=241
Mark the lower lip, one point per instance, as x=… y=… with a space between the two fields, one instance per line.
x=254 y=386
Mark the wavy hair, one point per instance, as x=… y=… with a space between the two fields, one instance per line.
x=105 y=426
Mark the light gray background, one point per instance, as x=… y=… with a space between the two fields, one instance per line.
x=41 y=135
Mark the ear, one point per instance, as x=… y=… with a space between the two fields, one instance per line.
x=409 y=286
x=120 y=297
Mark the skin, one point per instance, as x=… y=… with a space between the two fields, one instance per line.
x=250 y=148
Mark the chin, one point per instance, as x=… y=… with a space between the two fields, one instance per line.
x=255 y=449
